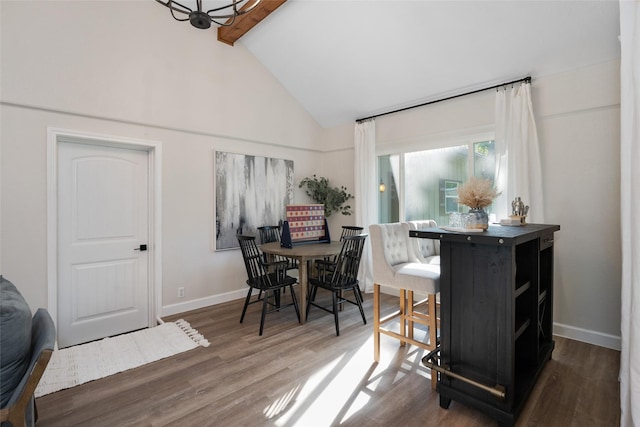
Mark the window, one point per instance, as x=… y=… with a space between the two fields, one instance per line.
x=449 y=196
x=423 y=184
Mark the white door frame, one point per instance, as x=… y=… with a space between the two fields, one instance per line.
x=154 y=148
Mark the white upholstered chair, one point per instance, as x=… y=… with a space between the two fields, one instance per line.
x=396 y=265
x=426 y=250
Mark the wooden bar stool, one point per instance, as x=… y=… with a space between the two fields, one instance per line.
x=395 y=265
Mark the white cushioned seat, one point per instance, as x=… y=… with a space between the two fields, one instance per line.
x=418 y=277
x=433 y=260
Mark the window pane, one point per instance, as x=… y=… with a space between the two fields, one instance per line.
x=424 y=196
x=484 y=160
x=484 y=163
x=388 y=201
x=430 y=181
x=449 y=195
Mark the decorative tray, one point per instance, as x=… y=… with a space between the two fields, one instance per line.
x=462 y=230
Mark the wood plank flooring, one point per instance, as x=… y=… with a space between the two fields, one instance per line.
x=303 y=375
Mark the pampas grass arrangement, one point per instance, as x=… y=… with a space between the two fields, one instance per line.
x=477 y=193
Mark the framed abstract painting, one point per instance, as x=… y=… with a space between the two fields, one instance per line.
x=250 y=191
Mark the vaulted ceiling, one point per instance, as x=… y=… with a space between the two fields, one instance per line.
x=348 y=59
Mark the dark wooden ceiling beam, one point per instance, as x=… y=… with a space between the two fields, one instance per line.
x=243 y=23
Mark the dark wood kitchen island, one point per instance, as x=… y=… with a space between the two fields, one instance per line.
x=496 y=296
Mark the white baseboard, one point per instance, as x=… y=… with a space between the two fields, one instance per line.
x=565 y=331
x=596 y=338
x=169 y=310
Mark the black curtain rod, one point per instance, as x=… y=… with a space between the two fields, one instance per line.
x=524 y=79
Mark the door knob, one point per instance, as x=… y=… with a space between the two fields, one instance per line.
x=142 y=248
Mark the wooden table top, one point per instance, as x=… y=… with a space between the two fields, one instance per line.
x=306 y=251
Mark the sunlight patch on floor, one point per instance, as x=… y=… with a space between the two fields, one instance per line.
x=335 y=391
x=281 y=403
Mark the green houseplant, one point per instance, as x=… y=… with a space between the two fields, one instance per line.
x=333 y=198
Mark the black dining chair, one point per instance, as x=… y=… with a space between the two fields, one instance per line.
x=339 y=276
x=267 y=277
x=269 y=233
x=272 y=233
x=350 y=230
x=347 y=230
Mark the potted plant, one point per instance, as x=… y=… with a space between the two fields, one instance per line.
x=333 y=198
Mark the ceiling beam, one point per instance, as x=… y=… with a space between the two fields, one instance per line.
x=243 y=23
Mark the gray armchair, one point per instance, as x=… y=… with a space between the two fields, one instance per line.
x=25 y=349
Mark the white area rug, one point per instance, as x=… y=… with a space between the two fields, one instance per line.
x=87 y=362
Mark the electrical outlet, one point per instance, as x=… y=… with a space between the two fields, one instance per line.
x=181 y=292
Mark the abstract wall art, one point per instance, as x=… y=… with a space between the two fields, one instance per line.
x=250 y=191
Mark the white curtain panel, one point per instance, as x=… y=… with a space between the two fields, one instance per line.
x=518 y=170
x=366 y=195
x=629 y=208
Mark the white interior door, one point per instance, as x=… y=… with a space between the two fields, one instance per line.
x=103 y=230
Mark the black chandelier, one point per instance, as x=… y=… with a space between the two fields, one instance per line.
x=222 y=15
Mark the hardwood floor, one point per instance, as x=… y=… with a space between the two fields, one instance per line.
x=304 y=375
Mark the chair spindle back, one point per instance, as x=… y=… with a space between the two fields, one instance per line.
x=269 y=233
x=350 y=230
x=253 y=258
x=348 y=261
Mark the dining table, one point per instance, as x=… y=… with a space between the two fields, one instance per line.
x=303 y=253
